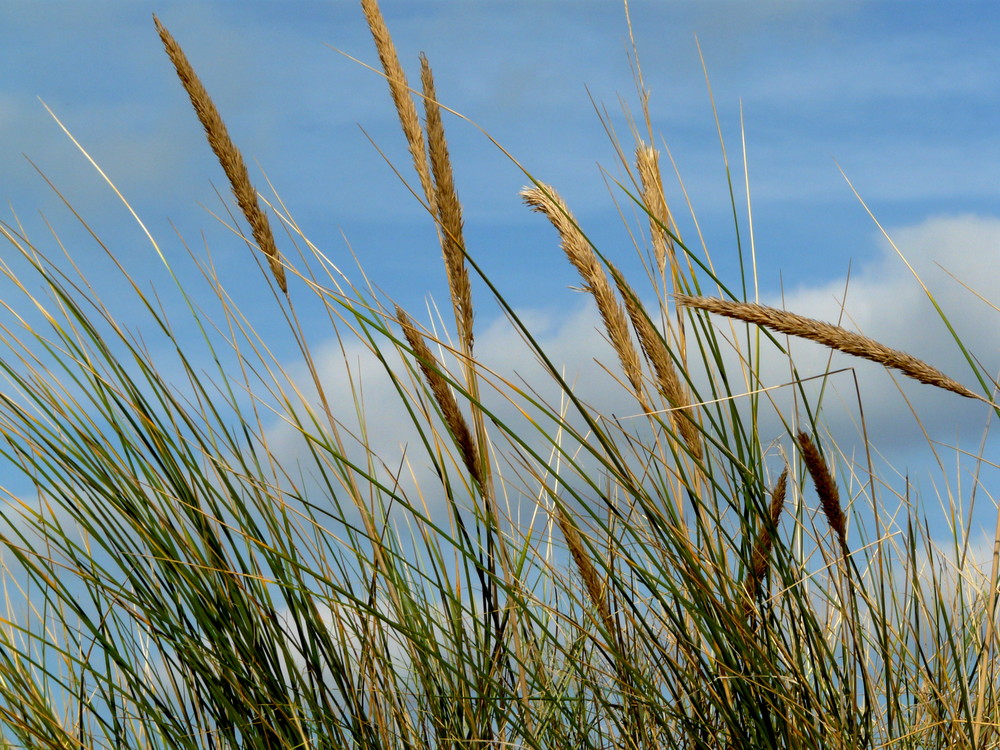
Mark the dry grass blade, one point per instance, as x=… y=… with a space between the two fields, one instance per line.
x=761 y=553
x=228 y=155
x=545 y=200
x=449 y=210
x=399 y=89
x=667 y=380
x=453 y=417
x=826 y=488
x=829 y=335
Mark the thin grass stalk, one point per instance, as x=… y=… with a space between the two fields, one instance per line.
x=450 y=232
x=227 y=153
x=829 y=335
x=829 y=497
x=437 y=183
x=444 y=206
x=435 y=175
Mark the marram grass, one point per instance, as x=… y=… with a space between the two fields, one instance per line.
x=533 y=574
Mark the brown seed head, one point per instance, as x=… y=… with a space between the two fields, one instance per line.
x=829 y=335
x=826 y=488
x=453 y=417
x=761 y=554
x=592 y=582
x=648 y=161
x=399 y=89
x=226 y=152
x=449 y=210
x=545 y=200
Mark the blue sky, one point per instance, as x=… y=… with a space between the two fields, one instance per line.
x=905 y=97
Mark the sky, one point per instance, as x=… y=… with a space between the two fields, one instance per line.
x=902 y=98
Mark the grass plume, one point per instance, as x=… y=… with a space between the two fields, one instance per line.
x=826 y=488
x=226 y=152
x=449 y=211
x=761 y=553
x=647 y=160
x=829 y=335
x=545 y=200
x=402 y=98
x=443 y=395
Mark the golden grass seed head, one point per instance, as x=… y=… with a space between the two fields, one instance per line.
x=227 y=153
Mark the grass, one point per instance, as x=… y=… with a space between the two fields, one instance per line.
x=679 y=580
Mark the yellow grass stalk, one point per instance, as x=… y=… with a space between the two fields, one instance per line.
x=226 y=152
x=761 y=554
x=826 y=488
x=399 y=89
x=545 y=200
x=667 y=380
x=449 y=210
x=453 y=418
x=829 y=335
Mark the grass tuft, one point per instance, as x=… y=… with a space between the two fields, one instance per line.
x=218 y=549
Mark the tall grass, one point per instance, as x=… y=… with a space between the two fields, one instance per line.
x=680 y=580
